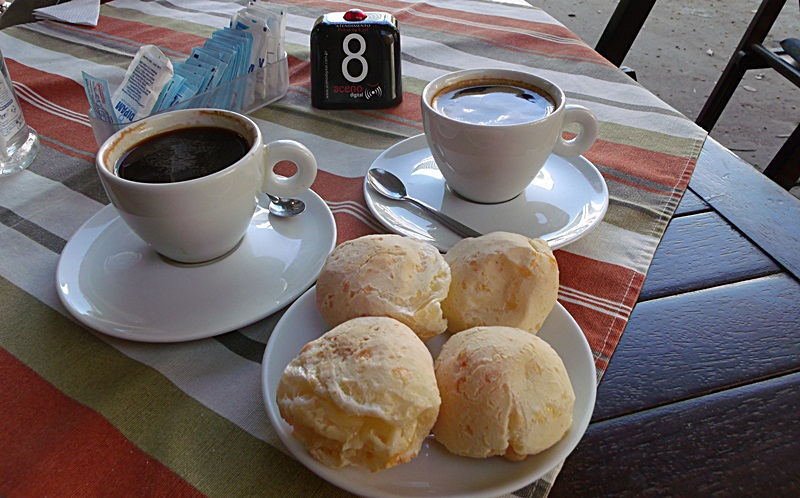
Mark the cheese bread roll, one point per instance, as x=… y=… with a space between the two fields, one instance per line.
x=500 y=279
x=385 y=275
x=504 y=392
x=363 y=394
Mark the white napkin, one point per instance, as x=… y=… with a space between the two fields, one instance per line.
x=85 y=12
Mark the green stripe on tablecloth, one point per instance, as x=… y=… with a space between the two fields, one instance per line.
x=540 y=59
x=334 y=127
x=302 y=52
x=76 y=50
x=382 y=121
x=104 y=42
x=224 y=459
x=73 y=172
x=413 y=86
x=625 y=105
x=650 y=140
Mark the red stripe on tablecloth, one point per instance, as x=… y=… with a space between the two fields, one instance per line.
x=336 y=188
x=643 y=163
x=501 y=33
x=346 y=229
x=529 y=42
x=136 y=34
x=345 y=199
x=53 y=123
x=606 y=281
x=51 y=445
x=57 y=89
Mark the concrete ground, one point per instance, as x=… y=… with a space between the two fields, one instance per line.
x=682 y=50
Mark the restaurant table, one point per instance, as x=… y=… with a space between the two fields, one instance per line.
x=697 y=363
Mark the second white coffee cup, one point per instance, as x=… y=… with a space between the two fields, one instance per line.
x=200 y=219
x=494 y=160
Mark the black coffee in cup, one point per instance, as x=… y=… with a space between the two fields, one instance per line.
x=181 y=155
x=493 y=102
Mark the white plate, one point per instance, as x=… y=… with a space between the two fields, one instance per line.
x=435 y=471
x=113 y=282
x=566 y=199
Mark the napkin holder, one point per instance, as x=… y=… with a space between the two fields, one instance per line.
x=244 y=95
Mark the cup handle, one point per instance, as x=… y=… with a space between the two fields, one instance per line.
x=585 y=138
x=288 y=150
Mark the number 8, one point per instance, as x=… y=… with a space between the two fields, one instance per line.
x=354 y=56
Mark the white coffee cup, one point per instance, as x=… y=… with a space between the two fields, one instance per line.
x=201 y=219
x=491 y=163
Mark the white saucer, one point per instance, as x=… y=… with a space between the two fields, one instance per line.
x=435 y=471
x=113 y=282
x=566 y=199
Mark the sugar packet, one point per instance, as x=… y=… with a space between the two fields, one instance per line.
x=138 y=94
x=267 y=24
x=99 y=98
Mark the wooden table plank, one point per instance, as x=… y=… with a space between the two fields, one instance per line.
x=699 y=251
x=764 y=212
x=691 y=203
x=684 y=346
x=741 y=442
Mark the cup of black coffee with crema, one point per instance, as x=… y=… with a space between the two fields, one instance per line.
x=491 y=131
x=187 y=181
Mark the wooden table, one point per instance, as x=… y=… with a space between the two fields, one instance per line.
x=702 y=394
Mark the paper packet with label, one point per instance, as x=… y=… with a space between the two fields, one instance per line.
x=267 y=24
x=139 y=92
x=275 y=16
x=171 y=91
x=241 y=44
x=99 y=98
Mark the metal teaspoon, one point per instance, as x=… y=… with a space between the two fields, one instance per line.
x=392 y=187
x=284 y=207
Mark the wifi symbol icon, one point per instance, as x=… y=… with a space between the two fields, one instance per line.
x=373 y=92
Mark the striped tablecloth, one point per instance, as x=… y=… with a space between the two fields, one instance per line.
x=85 y=414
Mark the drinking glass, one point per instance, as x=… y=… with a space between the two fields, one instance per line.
x=18 y=142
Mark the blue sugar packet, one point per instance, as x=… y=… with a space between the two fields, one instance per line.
x=244 y=43
x=222 y=74
x=257 y=27
x=237 y=91
x=215 y=67
x=193 y=74
x=169 y=92
x=189 y=87
x=226 y=54
x=185 y=92
x=225 y=57
x=99 y=98
x=201 y=72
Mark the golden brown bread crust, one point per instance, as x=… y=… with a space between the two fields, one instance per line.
x=504 y=392
x=363 y=394
x=500 y=279
x=385 y=275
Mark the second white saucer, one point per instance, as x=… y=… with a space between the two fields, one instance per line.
x=564 y=202
x=113 y=282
